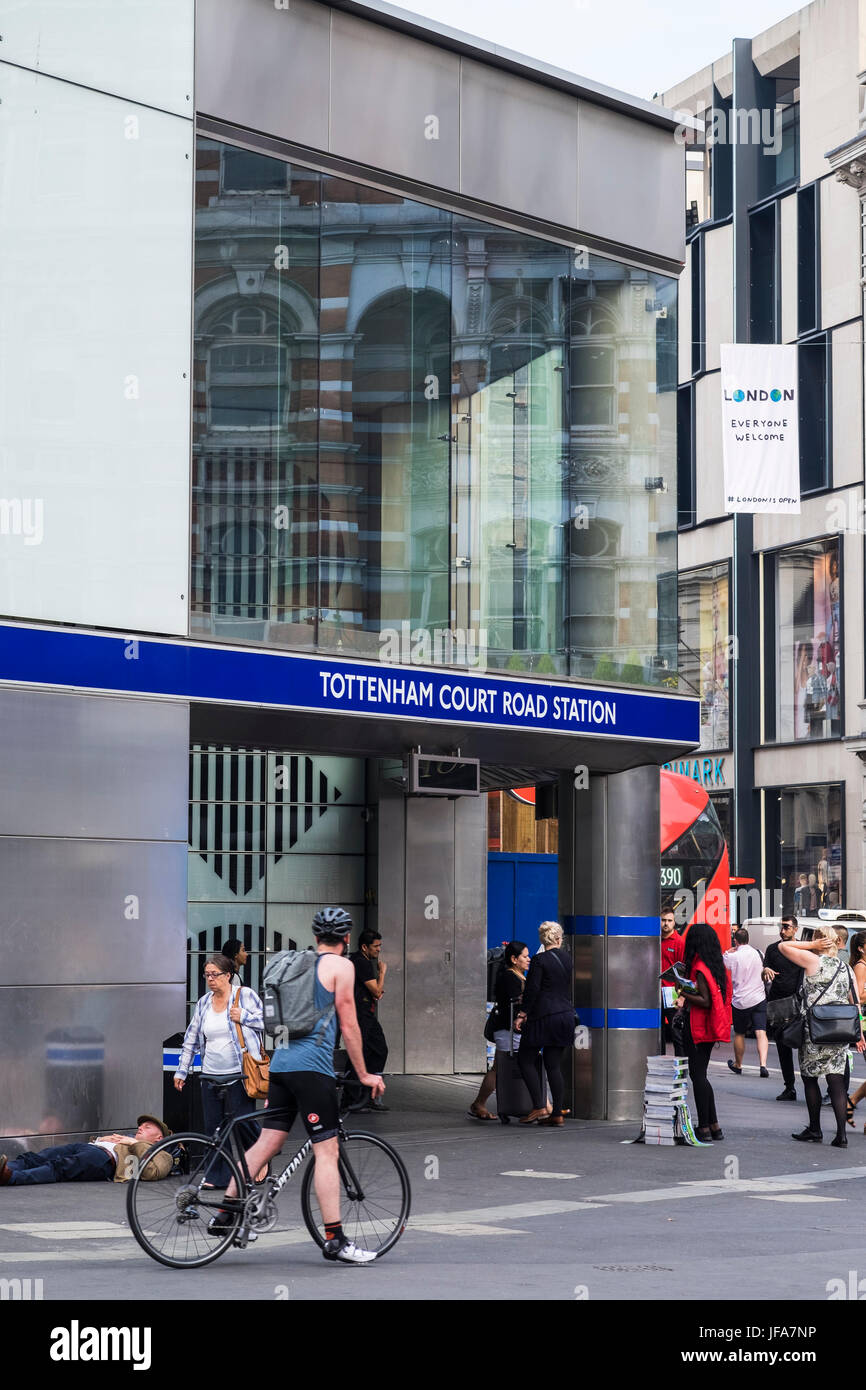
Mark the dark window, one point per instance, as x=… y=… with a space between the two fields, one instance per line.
x=807 y=260
x=686 y=456
x=773 y=130
x=666 y=659
x=787 y=161
x=246 y=172
x=814 y=377
x=722 y=166
x=723 y=807
x=697 y=305
x=667 y=348
x=763 y=281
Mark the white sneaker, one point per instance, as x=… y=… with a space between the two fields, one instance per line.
x=347 y=1253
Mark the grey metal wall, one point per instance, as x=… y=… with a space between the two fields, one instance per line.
x=93 y=832
x=430 y=875
x=609 y=899
x=385 y=913
x=357 y=90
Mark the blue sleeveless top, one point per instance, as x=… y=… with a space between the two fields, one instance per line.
x=315 y=1052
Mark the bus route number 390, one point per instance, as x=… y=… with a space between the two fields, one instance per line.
x=671 y=877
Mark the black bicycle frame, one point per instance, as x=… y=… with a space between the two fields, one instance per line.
x=225 y=1136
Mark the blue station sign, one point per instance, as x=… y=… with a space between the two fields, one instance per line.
x=218 y=674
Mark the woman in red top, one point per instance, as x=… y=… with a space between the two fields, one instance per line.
x=708 y=1020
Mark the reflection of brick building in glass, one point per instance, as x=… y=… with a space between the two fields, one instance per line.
x=407 y=415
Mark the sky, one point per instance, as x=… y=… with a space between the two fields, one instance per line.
x=640 y=46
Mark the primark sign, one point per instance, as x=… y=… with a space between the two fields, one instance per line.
x=216 y=674
x=709 y=772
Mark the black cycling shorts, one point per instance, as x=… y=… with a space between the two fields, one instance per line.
x=309 y=1093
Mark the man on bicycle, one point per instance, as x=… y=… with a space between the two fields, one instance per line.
x=303 y=1080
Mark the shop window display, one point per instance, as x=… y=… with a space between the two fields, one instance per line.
x=809 y=642
x=808 y=836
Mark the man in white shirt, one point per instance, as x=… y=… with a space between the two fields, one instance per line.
x=749 y=1000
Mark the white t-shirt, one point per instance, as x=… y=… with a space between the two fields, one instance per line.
x=745 y=965
x=220 y=1057
x=109 y=1148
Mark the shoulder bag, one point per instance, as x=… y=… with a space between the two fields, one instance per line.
x=781 y=1012
x=834 y=1023
x=256 y=1073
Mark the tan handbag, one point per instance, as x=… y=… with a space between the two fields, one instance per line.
x=256 y=1074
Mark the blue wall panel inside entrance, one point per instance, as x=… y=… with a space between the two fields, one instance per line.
x=522 y=891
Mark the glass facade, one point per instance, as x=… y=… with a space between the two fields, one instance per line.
x=272 y=836
x=420 y=436
x=806 y=846
x=704 y=652
x=808 y=642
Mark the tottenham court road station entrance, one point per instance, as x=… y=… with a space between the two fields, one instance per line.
x=228 y=792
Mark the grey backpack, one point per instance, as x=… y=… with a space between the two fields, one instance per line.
x=289 y=995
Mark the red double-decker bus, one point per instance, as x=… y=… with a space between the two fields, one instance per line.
x=695 y=872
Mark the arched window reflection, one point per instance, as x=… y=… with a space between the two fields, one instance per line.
x=248 y=377
x=593 y=365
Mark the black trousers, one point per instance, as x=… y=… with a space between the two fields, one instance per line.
x=699 y=1059
x=375 y=1049
x=373 y=1042
x=786 y=1062
x=530 y=1070
x=222 y=1101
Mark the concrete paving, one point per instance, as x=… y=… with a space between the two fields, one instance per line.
x=577 y=1213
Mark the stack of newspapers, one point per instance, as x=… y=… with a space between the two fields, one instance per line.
x=666 y=1117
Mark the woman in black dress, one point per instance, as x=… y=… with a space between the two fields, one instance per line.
x=546 y=1025
x=508 y=991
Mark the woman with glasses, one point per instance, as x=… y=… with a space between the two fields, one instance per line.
x=213 y=1032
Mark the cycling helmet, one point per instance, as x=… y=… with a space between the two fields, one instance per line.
x=332 y=921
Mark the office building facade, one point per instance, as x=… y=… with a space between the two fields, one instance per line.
x=771 y=607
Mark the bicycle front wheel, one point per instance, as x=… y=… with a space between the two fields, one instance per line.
x=170 y=1216
x=374 y=1194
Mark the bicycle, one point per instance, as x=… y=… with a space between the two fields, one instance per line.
x=170 y=1217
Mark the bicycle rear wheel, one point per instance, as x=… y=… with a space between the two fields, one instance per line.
x=169 y=1217
x=374 y=1194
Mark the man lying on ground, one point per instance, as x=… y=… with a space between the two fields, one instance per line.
x=108 y=1158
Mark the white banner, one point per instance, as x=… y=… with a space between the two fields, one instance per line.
x=760 y=427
